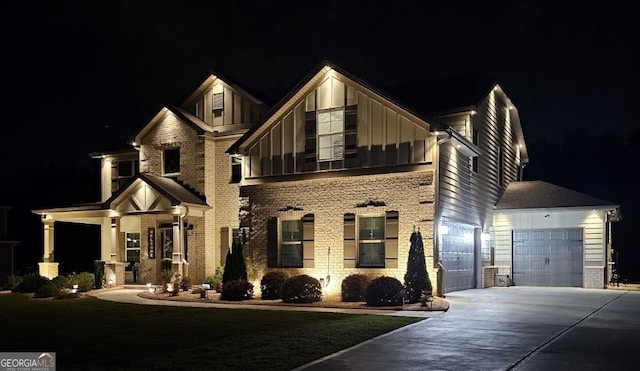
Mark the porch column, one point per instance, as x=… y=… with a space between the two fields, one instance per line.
x=114 y=239
x=177 y=243
x=48 y=268
x=114 y=269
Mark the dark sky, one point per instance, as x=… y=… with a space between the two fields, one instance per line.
x=77 y=76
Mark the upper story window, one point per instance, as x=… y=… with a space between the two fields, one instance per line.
x=330 y=134
x=171 y=161
x=121 y=173
x=236 y=169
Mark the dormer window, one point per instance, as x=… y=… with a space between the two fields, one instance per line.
x=171 y=161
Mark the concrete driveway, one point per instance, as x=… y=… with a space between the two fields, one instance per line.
x=510 y=328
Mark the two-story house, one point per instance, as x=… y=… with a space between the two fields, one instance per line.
x=333 y=179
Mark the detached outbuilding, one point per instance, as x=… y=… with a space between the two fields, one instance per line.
x=547 y=235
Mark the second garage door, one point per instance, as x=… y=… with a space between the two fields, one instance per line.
x=547 y=257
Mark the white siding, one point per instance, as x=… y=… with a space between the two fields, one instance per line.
x=591 y=220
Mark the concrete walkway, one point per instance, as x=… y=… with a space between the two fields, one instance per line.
x=131 y=296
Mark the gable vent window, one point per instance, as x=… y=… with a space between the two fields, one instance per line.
x=218 y=102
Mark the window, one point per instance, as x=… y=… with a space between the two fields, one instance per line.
x=236 y=169
x=330 y=134
x=127 y=169
x=171 y=158
x=291 y=243
x=218 y=101
x=371 y=241
x=132 y=247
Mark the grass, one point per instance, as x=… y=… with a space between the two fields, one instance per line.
x=91 y=334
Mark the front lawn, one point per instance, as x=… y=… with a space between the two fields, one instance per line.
x=91 y=334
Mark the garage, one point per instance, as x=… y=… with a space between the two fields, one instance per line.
x=548 y=257
x=457 y=256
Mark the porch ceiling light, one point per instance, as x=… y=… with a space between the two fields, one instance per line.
x=443 y=229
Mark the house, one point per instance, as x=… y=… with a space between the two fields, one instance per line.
x=330 y=181
x=6 y=245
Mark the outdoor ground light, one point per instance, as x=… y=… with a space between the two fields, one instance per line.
x=149 y=288
x=75 y=289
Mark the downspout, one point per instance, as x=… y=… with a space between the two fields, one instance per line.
x=436 y=232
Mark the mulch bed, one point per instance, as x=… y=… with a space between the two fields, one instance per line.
x=438 y=304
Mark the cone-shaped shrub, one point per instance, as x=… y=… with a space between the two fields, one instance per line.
x=416 y=280
x=235 y=268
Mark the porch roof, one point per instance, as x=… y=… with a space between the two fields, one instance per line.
x=538 y=194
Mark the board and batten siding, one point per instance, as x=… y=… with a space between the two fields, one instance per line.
x=592 y=221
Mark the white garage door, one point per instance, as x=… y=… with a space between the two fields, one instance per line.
x=547 y=257
x=457 y=256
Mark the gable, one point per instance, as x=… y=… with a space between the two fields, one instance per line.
x=140 y=197
x=334 y=122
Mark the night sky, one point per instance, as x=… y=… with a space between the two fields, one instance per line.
x=80 y=76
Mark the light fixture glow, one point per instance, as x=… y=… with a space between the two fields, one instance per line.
x=444 y=229
x=467 y=238
x=486 y=237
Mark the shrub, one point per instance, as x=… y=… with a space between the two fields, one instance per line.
x=185 y=284
x=165 y=264
x=48 y=290
x=354 y=287
x=416 y=280
x=237 y=290
x=165 y=276
x=11 y=283
x=235 y=267
x=84 y=280
x=301 y=289
x=98 y=273
x=31 y=282
x=216 y=280
x=271 y=285
x=384 y=291
x=61 y=282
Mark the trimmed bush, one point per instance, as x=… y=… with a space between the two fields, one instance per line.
x=301 y=289
x=384 y=291
x=185 y=283
x=271 y=285
x=354 y=287
x=216 y=280
x=48 y=290
x=237 y=290
x=61 y=282
x=31 y=282
x=11 y=283
x=98 y=273
x=84 y=280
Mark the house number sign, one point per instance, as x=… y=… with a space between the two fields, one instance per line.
x=151 y=243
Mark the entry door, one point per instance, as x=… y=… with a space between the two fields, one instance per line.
x=167 y=242
x=548 y=257
x=458 y=258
